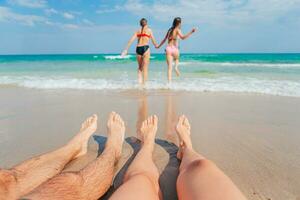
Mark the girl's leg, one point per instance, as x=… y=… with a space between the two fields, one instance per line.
x=176 y=57
x=141 y=178
x=170 y=66
x=139 y=59
x=198 y=177
x=145 y=63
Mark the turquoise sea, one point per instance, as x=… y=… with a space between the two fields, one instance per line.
x=275 y=74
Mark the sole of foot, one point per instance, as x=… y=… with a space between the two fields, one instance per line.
x=116 y=132
x=148 y=130
x=88 y=127
x=183 y=129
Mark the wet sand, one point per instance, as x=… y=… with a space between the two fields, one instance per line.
x=253 y=138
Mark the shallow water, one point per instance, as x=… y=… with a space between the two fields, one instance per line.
x=276 y=74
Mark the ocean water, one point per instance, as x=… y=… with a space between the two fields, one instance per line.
x=274 y=74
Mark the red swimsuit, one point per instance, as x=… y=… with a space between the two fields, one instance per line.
x=143 y=35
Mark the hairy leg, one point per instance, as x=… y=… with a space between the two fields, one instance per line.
x=170 y=66
x=140 y=69
x=141 y=178
x=198 y=177
x=176 y=57
x=95 y=179
x=146 y=60
x=26 y=176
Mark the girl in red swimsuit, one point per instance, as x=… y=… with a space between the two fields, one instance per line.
x=142 y=49
x=172 y=50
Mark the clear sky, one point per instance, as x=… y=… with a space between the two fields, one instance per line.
x=104 y=26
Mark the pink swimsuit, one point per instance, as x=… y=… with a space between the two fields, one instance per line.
x=171 y=49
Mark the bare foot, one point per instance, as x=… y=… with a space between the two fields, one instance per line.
x=88 y=127
x=183 y=129
x=115 y=132
x=177 y=71
x=148 y=130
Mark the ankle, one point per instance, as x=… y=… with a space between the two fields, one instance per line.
x=113 y=149
x=187 y=149
x=148 y=146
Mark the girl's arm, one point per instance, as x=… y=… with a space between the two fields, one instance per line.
x=164 y=40
x=153 y=39
x=183 y=37
x=124 y=52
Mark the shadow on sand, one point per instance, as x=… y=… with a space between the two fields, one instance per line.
x=168 y=177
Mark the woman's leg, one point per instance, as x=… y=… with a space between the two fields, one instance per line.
x=176 y=57
x=170 y=66
x=94 y=180
x=26 y=176
x=141 y=178
x=198 y=177
x=146 y=60
x=139 y=59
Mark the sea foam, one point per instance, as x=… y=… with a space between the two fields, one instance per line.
x=222 y=84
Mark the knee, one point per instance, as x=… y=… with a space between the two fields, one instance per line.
x=201 y=164
x=148 y=176
x=8 y=182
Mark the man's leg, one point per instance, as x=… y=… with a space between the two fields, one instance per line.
x=23 y=178
x=95 y=179
x=141 y=178
x=198 y=177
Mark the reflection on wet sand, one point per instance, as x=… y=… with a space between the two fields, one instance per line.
x=168 y=122
x=171 y=119
x=142 y=112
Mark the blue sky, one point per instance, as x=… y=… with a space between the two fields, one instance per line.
x=104 y=26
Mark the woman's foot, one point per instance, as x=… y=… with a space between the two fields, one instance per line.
x=115 y=132
x=88 y=127
x=148 y=130
x=183 y=129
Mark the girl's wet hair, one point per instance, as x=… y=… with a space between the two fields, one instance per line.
x=143 y=22
x=176 y=22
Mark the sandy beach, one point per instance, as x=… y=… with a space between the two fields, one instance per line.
x=253 y=138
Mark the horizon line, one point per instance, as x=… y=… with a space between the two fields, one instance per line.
x=54 y=54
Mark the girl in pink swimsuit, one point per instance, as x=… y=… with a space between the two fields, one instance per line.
x=172 y=51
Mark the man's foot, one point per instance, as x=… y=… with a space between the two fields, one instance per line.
x=183 y=130
x=177 y=71
x=115 y=132
x=88 y=127
x=148 y=130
